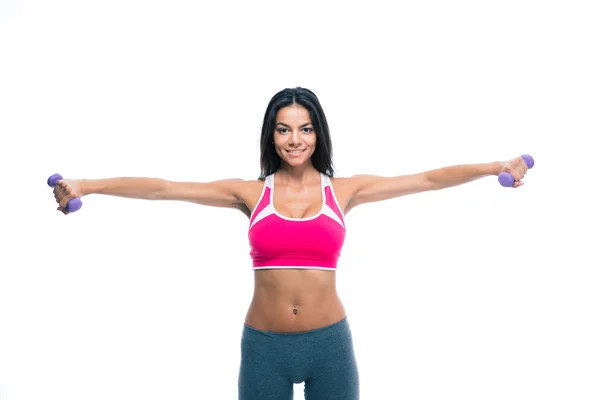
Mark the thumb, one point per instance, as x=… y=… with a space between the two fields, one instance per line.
x=64 y=211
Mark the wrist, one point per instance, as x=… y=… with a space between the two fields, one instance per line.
x=84 y=187
x=497 y=167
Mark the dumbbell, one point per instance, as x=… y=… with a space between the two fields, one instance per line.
x=507 y=179
x=73 y=204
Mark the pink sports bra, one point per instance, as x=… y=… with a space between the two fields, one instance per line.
x=278 y=242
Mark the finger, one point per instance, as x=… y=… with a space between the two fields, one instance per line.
x=58 y=194
x=61 y=196
x=516 y=174
x=518 y=184
x=63 y=202
x=522 y=164
x=59 y=186
x=69 y=190
x=518 y=166
x=524 y=168
x=63 y=191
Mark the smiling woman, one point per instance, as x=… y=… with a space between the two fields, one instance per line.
x=296 y=329
x=295 y=122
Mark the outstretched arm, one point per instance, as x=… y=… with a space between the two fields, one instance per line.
x=371 y=188
x=220 y=193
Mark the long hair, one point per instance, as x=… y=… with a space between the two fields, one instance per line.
x=322 y=158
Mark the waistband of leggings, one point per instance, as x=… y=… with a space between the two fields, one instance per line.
x=335 y=328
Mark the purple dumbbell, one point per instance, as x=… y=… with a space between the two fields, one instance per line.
x=507 y=179
x=73 y=204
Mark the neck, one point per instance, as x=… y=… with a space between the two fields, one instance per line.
x=301 y=174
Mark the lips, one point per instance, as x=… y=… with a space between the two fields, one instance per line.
x=295 y=151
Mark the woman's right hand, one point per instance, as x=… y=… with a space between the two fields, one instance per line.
x=64 y=191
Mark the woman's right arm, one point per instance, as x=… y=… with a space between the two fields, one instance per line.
x=221 y=193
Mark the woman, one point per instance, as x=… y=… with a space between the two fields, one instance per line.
x=296 y=329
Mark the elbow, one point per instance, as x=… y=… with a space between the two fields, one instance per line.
x=432 y=185
x=161 y=190
x=429 y=183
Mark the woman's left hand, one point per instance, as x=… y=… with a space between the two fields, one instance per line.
x=517 y=167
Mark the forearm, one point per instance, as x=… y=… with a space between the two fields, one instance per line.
x=135 y=188
x=458 y=174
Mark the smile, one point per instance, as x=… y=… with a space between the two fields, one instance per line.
x=295 y=151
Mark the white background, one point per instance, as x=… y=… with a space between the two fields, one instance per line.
x=474 y=292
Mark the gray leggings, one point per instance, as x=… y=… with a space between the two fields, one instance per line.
x=322 y=358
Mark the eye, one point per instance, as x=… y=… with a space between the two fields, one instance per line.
x=280 y=130
x=307 y=130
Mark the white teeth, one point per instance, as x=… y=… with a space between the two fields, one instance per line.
x=295 y=151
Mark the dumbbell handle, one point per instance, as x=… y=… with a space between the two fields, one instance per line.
x=507 y=179
x=73 y=204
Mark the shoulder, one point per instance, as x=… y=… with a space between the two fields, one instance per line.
x=352 y=183
x=249 y=191
x=356 y=183
x=345 y=189
x=251 y=185
x=353 y=190
x=242 y=187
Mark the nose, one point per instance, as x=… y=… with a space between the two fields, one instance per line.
x=295 y=138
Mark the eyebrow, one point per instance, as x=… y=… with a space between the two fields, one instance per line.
x=287 y=126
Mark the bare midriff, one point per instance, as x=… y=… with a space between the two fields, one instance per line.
x=278 y=292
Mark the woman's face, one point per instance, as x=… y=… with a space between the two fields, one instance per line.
x=294 y=138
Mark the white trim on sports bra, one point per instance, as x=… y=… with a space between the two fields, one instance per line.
x=270 y=208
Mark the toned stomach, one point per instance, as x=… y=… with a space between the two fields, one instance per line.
x=277 y=292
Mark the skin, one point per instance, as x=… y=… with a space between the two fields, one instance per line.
x=297 y=194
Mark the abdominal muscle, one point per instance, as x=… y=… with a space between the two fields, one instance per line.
x=277 y=292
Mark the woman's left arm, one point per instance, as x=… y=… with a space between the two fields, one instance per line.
x=371 y=188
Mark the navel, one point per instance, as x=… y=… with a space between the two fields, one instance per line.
x=295 y=310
